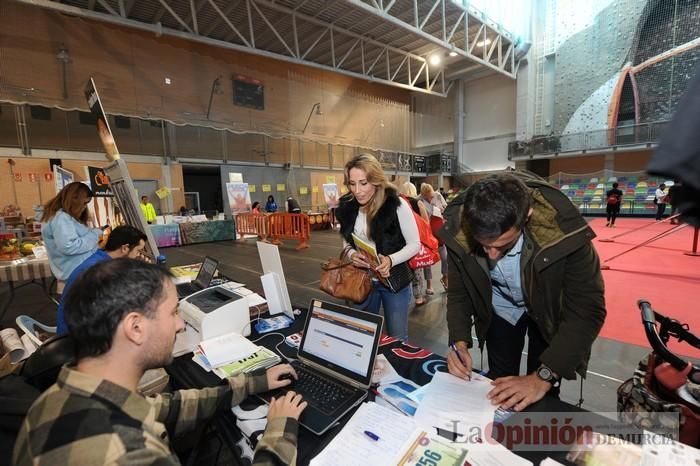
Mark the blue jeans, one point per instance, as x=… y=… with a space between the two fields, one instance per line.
x=395 y=308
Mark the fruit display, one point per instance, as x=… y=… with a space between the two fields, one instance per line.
x=9 y=247
x=27 y=247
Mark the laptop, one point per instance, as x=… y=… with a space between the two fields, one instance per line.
x=335 y=361
x=206 y=273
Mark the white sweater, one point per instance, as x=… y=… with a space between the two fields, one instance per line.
x=409 y=230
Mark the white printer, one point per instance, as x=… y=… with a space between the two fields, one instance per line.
x=216 y=311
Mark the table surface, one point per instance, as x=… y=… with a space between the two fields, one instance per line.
x=29 y=270
x=410 y=362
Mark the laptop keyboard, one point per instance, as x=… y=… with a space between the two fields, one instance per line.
x=324 y=394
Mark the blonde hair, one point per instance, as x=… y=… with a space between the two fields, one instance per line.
x=426 y=188
x=71 y=200
x=375 y=176
x=408 y=189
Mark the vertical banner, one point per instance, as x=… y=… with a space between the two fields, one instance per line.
x=103 y=129
x=330 y=194
x=238 y=198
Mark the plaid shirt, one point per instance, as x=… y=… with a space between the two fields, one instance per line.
x=83 y=420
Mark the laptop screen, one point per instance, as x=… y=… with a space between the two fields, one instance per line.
x=206 y=272
x=342 y=339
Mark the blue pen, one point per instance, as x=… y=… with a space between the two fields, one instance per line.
x=372 y=435
x=454 y=348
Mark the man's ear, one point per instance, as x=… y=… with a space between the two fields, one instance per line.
x=134 y=328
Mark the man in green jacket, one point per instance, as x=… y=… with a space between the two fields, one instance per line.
x=124 y=318
x=149 y=212
x=521 y=261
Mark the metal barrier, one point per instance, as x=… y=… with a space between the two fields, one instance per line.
x=290 y=226
x=253 y=224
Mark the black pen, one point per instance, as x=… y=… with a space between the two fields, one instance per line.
x=454 y=348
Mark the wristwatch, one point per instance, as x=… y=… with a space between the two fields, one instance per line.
x=546 y=374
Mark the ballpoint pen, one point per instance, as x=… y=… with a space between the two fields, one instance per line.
x=454 y=348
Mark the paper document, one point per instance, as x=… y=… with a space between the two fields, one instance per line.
x=455 y=405
x=251 y=297
x=352 y=446
x=493 y=454
x=433 y=451
x=227 y=348
x=368 y=249
x=19 y=348
x=383 y=372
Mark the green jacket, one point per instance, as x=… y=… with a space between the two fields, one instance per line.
x=560 y=275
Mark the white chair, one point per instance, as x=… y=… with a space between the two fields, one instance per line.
x=32 y=327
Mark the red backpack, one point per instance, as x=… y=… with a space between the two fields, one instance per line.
x=428 y=254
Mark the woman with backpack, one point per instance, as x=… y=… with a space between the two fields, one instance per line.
x=614 y=199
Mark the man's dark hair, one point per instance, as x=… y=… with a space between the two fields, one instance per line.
x=494 y=205
x=144 y=197
x=615 y=185
x=101 y=296
x=125 y=234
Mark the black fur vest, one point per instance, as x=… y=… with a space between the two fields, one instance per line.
x=385 y=230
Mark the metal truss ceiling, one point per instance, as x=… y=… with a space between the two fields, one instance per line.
x=386 y=41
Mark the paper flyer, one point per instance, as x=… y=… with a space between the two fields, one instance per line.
x=238 y=197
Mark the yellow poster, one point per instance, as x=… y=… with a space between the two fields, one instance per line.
x=251 y=188
x=280 y=187
x=343 y=189
x=163 y=192
x=303 y=190
x=267 y=188
x=314 y=189
x=330 y=180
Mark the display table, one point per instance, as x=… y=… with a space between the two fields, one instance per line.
x=28 y=271
x=411 y=362
x=167 y=235
x=206 y=232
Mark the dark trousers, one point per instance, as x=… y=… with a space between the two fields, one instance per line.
x=612 y=210
x=660 y=209
x=505 y=343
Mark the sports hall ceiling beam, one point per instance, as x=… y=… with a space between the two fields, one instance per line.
x=419 y=27
x=334 y=35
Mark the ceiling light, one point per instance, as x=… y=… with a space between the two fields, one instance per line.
x=481 y=43
x=435 y=59
x=453 y=54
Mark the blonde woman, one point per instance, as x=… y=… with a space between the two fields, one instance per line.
x=408 y=189
x=69 y=241
x=376 y=214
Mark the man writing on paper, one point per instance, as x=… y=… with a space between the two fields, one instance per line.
x=123 y=318
x=149 y=212
x=521 y=261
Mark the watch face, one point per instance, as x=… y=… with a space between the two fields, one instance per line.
x=544 y=373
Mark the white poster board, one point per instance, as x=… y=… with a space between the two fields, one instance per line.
x=238 y=198
x=330 y=194
x=62 y=177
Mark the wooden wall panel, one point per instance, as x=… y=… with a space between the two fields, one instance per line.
x=577 y=165
x=28 y=193
x=130 y=68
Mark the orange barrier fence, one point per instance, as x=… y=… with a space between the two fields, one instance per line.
x=253 y=224
x=290 y=226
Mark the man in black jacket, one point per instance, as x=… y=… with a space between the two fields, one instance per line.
x=521 y=261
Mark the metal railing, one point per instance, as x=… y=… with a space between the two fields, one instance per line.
x=56 y=129
x=633 y=135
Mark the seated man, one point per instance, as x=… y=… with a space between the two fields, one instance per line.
x=123 y=318
x=124 y=241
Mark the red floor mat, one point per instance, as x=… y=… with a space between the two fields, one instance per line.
x=659 y=272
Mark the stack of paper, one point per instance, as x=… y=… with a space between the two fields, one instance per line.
x=377 y=435
x=261 y=359
x=455 y=405
x=227 y=348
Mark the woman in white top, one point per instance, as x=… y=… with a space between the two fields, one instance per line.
x=660 y=201
x=377 y=215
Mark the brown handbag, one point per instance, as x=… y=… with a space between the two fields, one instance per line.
x=341 y=279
